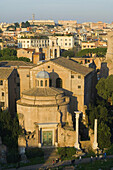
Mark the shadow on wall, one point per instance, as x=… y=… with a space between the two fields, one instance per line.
x=55 y=80
x=104 y=70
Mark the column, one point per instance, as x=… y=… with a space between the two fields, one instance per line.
x=77 y=145
x=56 y=137
x=39 y=138
x=95 y=144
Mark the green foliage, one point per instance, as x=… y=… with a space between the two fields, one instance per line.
x=9 y=129
x=1 y=30
x=11 y=54
x=17 y=24
x=11 y=26
x=102 y=111
x=34 y=152
x=66 y=152
x=100 y=52
x=25 y=24
x=97 y=112
x=110 y=150
x=104 y=135
x=13 y=156
x=105 y=87
x=8 y=52
x=104 y=118
x=24 y=59
x=96 y=165
x=13 y=58
x=69 y=53
x=50 y=26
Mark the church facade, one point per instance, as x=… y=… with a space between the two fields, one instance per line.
x=57 y=88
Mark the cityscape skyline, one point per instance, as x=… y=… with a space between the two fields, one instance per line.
x=80 y=10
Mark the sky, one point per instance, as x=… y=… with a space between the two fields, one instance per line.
x=80 y=10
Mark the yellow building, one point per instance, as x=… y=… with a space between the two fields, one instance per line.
x=87 y=45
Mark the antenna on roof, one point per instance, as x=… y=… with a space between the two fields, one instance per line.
x=33 y=15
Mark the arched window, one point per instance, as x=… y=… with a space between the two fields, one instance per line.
x=45 y=83
x=50 y=82
x=41 y=83
x=58 y=83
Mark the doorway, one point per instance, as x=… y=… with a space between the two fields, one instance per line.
x=47 y=138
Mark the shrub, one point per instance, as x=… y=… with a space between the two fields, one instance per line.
x=66 y=152
x=13 y=156
x=34 y=152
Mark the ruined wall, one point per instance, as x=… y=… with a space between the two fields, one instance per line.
x=66 y=137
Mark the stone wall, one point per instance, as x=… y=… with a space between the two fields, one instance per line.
x=66 y=137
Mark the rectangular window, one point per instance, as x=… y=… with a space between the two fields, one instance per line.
x=72 y=76
x=1 y=82
x=79 y=87
x=79 y=77
x=2 y=93
x=69 y=44
x=65 y=43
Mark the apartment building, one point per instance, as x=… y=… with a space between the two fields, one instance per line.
x=88 y=44
x=41 y=22
x=65 y=42
x=29 y=43
x=67 y=23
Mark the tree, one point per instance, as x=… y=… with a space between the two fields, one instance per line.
x=69 y=53
x=8 y=52
x=99 y=52
x=24 y=59
x=105 y=88
x=104 y=135
x=25 y=25
x=9 y=129
x=1 y=30
x=98 y=112
x=17 y=25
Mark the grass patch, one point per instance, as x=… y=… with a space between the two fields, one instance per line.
x=89 y=154
x=100 y=164
x=66 y=153
x=95 y=165
x=34 y=161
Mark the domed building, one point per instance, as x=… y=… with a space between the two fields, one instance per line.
x=44 y=115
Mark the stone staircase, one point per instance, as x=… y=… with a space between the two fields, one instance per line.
x=50 y=154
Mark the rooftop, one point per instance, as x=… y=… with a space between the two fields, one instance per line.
x=72 y=65
x=5 y=72
x=50 y=91
x=6 y=63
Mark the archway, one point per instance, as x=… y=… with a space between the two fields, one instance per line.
x=58 y=83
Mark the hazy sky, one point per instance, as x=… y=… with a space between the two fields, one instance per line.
x=80 y=10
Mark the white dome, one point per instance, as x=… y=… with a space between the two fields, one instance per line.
x=42 y=74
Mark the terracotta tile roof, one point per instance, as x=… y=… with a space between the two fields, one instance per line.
x=50 y=91
x=6 y=63
x=72 y=65
x=5 y=72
